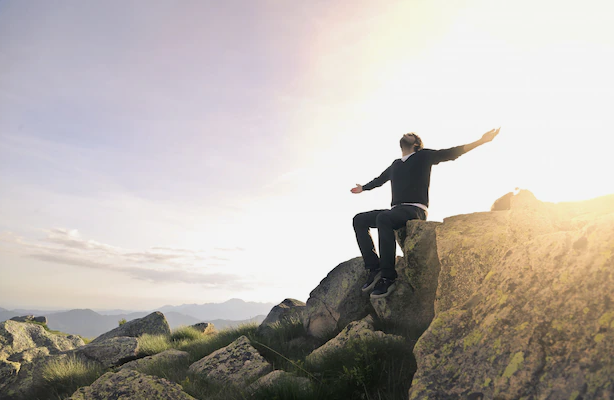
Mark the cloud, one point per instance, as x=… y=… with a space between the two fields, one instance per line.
x=229 y=249
x=158 y=264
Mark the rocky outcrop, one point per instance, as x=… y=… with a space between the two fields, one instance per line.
x=131 y=385
x=207 y=328
x=285 y=311
x=234 y=364
x=337 y=300
x=153 y=324
x=167 y=357
x=357 y=330
x=411 y=306
x=23 y=343
x=524 y=304
x=469 y=245
x=16 y=337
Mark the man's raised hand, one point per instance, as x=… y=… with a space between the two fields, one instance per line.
x=357 y=189
x=490 y=135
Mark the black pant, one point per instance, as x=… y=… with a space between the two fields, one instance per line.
x=386 y=221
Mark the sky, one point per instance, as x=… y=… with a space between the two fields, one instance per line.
x=168 y=152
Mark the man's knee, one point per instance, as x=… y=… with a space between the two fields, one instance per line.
x=383 y=219
x=359 y=220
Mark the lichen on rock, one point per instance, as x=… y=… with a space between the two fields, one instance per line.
x=235 y=364
x=539 y=322
x=131 y=385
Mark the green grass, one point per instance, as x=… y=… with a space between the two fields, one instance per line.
x=174 y=370
x=61 y=377
x=152 y=344
x=365 y=369
x=207 y=344
x=186 y=333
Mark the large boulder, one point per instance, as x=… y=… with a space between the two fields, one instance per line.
x=110 y=352
x=23 y=343
x=525 y=305
x=234 y=364
x=131 y=385
x=286 y=311
x=469 y=245
x=153 y=324
x=410 y=306
x=356 y=330
x=337 y=300
x=15 y=337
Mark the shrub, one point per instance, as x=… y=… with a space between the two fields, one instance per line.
x=122 y=321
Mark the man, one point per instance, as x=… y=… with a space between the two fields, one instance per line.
x=410 y=178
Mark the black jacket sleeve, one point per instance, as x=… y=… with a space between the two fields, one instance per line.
x=379 y=181
x=450 y=154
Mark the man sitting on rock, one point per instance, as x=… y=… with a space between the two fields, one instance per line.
x=410 y=178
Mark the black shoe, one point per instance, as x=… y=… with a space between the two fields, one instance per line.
x=383 y=288
x=372 y=278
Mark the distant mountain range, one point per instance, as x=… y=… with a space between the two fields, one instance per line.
x=89 y=323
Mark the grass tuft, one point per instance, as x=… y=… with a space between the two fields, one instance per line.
x=61 y=377
x=152 y=344
x=185 y=333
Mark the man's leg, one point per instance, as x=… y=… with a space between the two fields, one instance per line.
x=386 y=223
x=362 y=223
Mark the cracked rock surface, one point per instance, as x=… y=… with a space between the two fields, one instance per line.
x=236 y=364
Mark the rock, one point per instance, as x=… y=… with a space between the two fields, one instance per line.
x=285 y=311
x=112 y=351
x=131 y=385
x=234 y=364
x=153 y=324
x=8 y=373
x=24 y=347
x=503 y=202
x=24 y=318
x=357 y=330
x=469 y=245
x=29 y=355
x=279 y=377
x=16 y=337
x=411 y=305
x=207 y=328
x=337 y=300
x=540 y=322
x=166 y=357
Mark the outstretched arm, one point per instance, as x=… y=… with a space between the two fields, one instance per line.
x=453 y=153
x=379 y=181
x=487 y=137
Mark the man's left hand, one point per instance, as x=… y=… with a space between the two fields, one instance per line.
x=490 y=135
